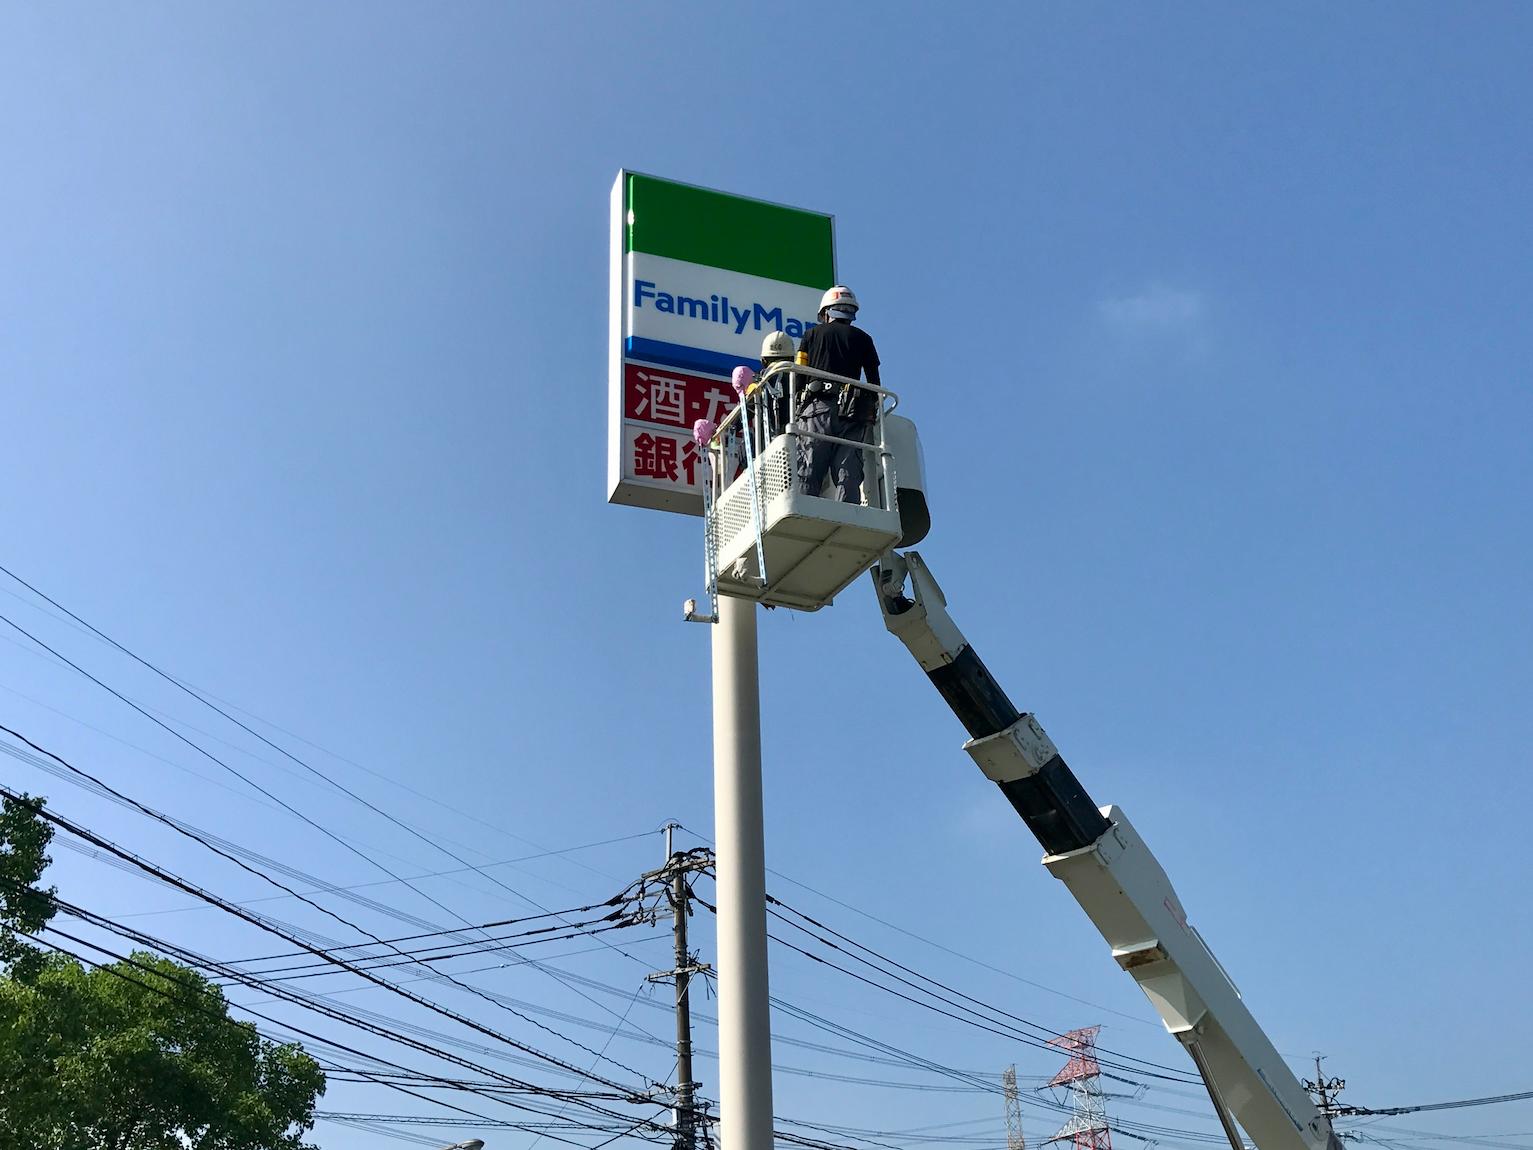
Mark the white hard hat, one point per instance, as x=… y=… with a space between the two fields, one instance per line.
x=777 y=345
x=840 y=296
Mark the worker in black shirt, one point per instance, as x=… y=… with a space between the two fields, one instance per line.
x=836 y=346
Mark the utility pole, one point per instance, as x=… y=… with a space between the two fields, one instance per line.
x=1325 y=1090
x=679 y=895
x=681 y=907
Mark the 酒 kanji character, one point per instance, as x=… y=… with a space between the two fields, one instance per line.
x=663 y=401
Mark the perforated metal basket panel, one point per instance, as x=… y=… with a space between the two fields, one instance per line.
x=814 y=546
x=733 y=515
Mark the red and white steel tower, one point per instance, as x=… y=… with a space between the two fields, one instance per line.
x=1087 y=1127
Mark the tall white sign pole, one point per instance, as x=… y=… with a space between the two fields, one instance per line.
x=698 y=277
x=745 y=1025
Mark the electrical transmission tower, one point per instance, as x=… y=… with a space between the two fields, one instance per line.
x=1014 y=1139
x=1087 y=1127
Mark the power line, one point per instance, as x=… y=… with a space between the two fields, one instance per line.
x=207 y=702
x=248 y=781
x=1408 y=1135
x=641 y=988
x=72 y=775
x=208 y=697
x=245 y=796
x=132 y=962
x=78 y=778
x=940 y=946
x=615 y=900
x=366 y=958
x=516 y=1085
x=703 y=1052
x=203 y=962
x=970 y=1018
x=904 y=1057
x=51 y=764
x=1457 y=1104
x=239 y=912
x=274 y=798
x=429 y=840
x=219 y=762
x=428 y=954
x=629 y=1032
x=990 y=1086
x=1046 y=1034
x=415 y=878
x=1141 y=1131
x=983 y=1078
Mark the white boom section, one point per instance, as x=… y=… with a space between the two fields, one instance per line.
x=1108 y=868
x=1124 y=891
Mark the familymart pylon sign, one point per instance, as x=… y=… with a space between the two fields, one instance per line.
x=698 y=278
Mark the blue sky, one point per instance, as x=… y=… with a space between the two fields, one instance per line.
x=1215 y=322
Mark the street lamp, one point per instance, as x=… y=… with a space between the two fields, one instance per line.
x=471 y=1144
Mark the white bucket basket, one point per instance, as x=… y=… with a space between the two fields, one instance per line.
x=770 y=542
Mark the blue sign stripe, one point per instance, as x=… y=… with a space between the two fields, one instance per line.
x=685 y=358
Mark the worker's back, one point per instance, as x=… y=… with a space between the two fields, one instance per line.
x=841 y=348
x=846 y=350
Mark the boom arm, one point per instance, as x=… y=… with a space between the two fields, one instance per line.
x=1105 y=864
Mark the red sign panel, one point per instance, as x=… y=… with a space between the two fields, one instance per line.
x=673 y=398
x=660 y=456
x=658 y=462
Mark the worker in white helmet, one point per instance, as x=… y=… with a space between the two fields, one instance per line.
x=776 y=348
x=835 y=345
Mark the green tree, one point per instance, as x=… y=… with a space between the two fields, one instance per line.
x=138 y=1055
x=24 y=906
x=142 y=1055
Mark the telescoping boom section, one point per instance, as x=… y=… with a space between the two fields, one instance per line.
x=1104 y=863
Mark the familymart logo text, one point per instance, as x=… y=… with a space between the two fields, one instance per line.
x=718 y=309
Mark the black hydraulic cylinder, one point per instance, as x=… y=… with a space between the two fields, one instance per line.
x=1052 y=802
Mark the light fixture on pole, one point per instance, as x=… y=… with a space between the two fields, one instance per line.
x=471 y=1144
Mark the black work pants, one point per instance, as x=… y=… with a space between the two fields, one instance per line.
x=818 y=458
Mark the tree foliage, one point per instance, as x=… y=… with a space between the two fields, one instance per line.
x=142 y=1055
x=138 y=1055
x=24 y=906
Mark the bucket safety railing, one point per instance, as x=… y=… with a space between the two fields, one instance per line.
x=769 y=408
x=727 y=454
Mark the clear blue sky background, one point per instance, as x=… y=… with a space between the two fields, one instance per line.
x=1216 y=324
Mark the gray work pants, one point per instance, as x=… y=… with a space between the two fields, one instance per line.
x=817 y=458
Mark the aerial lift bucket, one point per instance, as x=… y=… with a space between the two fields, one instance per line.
x=768 y=541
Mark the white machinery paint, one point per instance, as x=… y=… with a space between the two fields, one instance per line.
x=1107 y=867
x=1126 y=894
x=767 y=540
